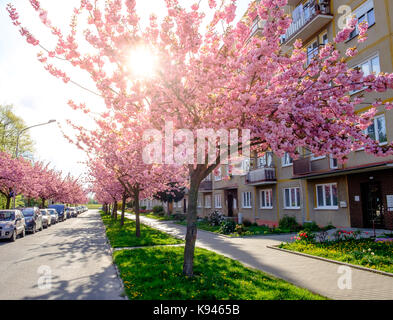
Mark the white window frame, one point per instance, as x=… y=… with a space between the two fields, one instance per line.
x=246 y=165
x=285 y=159
x=331 y=162
x=370 y=66
x=297 y=191
x=313 y=158
x=324 y=206
x=217 y=201
x=376 y=129
x=246 y=200
x=208 y=204
x=262 y=195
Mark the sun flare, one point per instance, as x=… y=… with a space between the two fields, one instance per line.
x=142 y=62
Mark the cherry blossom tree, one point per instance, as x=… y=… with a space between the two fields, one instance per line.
x=211 y=74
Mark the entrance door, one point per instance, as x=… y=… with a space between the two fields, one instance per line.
x=230 y=205
x=185 y=205
x=372 y=203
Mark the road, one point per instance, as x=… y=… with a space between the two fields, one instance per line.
x=68 y=261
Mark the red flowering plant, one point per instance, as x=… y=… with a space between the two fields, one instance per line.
x=305 y=236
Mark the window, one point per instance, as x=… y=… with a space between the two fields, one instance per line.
x=323 y=39
x=208 y=201
x=327 y=196
x=217 y=201
x=292 y=198
x=266 y=199
x=209 y=177
x=364 y=13
x=246 y=200
x=333 y=162
x=218 y=176
x=246 y=166
x=312 y=51
x=286 y=160
x=266 y=160
x=368 y=67
x=199 y=202
x=377 y=131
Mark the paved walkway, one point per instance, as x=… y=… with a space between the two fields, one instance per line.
x=317 y=276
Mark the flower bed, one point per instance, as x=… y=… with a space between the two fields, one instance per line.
x=350 y=248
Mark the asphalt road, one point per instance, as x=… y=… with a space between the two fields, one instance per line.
x=68 y=261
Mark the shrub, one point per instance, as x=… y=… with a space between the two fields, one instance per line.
x=239 y=229
x=179 y=216
x=311 y=226
x=288 y=223
x=247 y=223
x=306 y=236
x=142 y=208
x=159 y=210
x=228 y=227
x=215 y=218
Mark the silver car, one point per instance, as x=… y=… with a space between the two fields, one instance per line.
x=54 y=216
x=12 y=224
x=46 y=218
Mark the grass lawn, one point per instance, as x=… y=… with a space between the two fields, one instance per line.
x=248 y=231
x=125 y=236
x=363 y=252
x=152 y=215
x=94 y=206
x=156 y=273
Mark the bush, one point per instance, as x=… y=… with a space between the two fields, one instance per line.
x=288 y=223
x=159 y=210
x=247 y=223
x=215 y=218
x=179 y=216
x=228 y=227
x=239 y=229
x=306 y=236
x=142 y=208
x=311 y=226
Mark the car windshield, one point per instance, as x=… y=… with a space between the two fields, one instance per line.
x=7 y=216
x=52 y=212
x=43 y=212
x=28 y=212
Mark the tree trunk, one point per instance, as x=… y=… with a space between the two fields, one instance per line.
x=8 y=203
x=114 y=210
x=191 y=226
x=123 y=209
x=42 y=203
x=137 y=218
x=168 y=213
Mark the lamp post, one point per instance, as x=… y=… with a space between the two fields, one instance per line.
x=17 y=145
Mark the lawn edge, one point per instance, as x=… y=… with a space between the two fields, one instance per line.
x=355 y=266
x=111 y=251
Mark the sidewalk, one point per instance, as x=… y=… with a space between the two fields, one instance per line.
x=318 y=276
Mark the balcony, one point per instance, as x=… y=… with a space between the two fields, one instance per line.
x=310 y=19
x=206 y=186
x=309 y=166
x=261 y=176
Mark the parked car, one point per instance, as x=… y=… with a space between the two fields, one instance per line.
x=33 y=219
x=12 y=224
x=61 y=211
x=72 y=211
x=46 y=218
x=54 y=216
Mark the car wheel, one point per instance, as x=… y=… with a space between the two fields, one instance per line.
x=13 y=237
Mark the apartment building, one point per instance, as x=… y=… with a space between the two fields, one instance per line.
x=358 y=193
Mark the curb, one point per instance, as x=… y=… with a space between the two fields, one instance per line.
x=384 y=273
x=147 y=247
x=110 y=249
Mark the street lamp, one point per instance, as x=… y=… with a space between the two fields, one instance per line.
x=17 y=145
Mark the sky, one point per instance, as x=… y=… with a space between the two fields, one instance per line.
x=39 y=97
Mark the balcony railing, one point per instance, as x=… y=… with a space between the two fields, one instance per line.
x=309 y=165
x=313 y=17
x=261 y=176
x=206 y=185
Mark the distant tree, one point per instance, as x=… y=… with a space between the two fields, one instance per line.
x=10 y=125
x=173 y=194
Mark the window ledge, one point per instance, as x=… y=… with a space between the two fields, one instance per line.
x=287 y=165
x=327 y=208
x=292 y=208
x=264 y=208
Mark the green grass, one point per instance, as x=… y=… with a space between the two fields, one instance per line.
x=248 y=231
x=94 y=206
x=152 y=215
x=156 y=273
x=124 y=236
x=363 y=252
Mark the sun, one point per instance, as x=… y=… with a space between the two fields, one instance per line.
x=142 y=62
